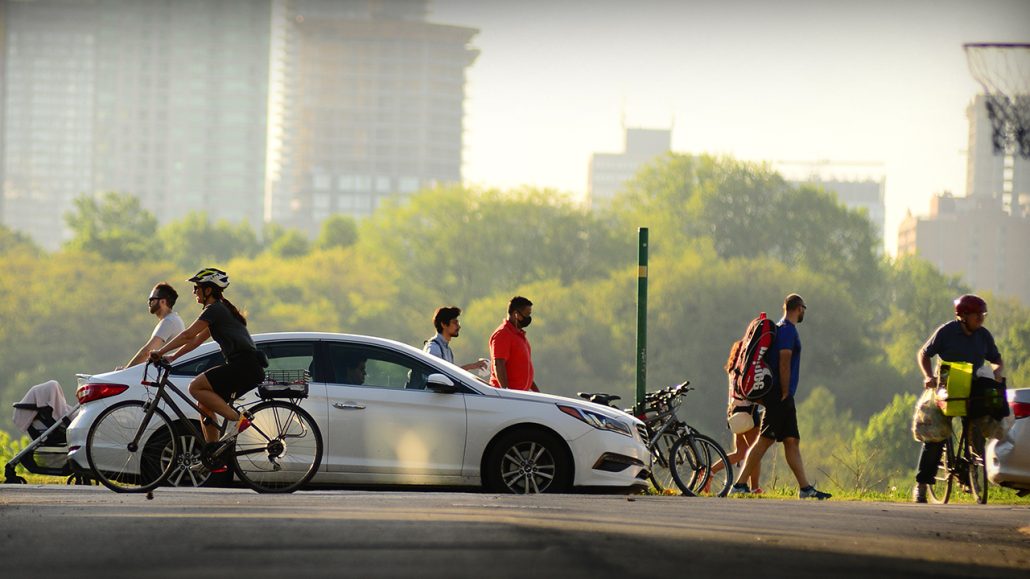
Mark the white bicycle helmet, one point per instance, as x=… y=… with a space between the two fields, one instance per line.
x=211 y=275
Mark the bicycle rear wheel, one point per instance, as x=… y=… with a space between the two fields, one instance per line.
x=693 y=473
x=281 y=450
x=117 y=463
x=976 y=463
x=661 y=474
x=940 y=491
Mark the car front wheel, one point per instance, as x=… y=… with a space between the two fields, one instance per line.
x=527 y=462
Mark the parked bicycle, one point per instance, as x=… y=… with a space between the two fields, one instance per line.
x=681 y=456
x=962 y=462
x=133 y=446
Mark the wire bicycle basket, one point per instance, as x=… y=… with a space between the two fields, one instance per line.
x=285 y=384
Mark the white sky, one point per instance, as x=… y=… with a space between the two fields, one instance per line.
x=873 y=80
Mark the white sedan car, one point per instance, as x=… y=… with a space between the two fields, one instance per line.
x=399 y=422
x=1008 y=459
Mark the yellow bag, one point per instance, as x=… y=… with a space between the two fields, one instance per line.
x=954 y=383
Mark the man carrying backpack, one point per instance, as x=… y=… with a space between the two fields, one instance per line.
x=780 y=421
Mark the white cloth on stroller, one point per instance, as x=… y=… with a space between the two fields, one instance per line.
x=48 y=393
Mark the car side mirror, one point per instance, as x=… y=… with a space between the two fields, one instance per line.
x=440 y=383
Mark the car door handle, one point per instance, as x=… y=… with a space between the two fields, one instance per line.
x=348 y=406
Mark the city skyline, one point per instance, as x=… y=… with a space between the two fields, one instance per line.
x=798 y=80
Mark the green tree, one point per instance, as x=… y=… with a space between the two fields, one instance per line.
x=747 y=210
x=115 y=226
x=465 y=244
x=338 y=230
x=885 y=446
x=918 y=299
x=194 y=241
x=11 y=240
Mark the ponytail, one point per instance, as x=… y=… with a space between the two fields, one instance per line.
x=232 y=309
x=235 y=312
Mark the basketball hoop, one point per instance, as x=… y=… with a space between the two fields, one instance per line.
x=1003 y=70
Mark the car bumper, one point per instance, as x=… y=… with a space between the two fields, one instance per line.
x=1008 y=459
x=608 y=459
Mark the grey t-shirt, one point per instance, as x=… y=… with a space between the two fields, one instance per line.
x=169 y=327
x=231 y=335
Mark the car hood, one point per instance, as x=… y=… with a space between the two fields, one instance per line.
x=555 y=399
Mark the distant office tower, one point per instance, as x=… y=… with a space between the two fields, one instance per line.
x=366 y=104
x=610 y=171
x=975 y=238
x=1006 y=176
x=48 y=87
x=163 y=100
x=284 y=110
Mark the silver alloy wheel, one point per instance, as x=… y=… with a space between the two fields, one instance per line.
x=182 y=475
x=528 y=467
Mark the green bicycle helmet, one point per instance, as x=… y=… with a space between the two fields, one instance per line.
x=212 y=276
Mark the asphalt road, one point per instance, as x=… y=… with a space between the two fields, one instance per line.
x=57 y=531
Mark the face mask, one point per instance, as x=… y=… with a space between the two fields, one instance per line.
x=526 y=320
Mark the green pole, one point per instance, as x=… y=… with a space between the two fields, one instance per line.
x=641 y=315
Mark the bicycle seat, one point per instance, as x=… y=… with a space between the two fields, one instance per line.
x=599 y=397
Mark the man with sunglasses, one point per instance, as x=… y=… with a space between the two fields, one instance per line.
x=161 y=301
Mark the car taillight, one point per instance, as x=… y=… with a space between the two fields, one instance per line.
x=1020 y=409
x=96 y=391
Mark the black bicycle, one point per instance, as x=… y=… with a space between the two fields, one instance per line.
x=680 y=455
x=134 y=446
x=964 y=462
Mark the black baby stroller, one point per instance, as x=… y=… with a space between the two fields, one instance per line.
x=47 y=454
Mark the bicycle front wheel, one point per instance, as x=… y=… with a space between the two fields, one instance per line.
x=701 y=467
x=976 y=462
x=661 y=474
x=281 y=450
x=940 y=490
x=129 y=452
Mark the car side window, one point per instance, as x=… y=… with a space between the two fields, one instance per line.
x=375 y=367
x=199 y=365
x=296 y=355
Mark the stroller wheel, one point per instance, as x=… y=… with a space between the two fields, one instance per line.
x=10 y=478
x=81 y=479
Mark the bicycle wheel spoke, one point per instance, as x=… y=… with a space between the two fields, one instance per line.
x=282 y=453
x=118 y=462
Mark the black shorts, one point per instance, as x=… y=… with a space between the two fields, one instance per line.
x=780 y=420
x=236 y=377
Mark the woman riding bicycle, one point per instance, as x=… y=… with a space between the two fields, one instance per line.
x=243 y=368
x=964 y=339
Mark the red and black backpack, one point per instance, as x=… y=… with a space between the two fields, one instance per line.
x=752 y=374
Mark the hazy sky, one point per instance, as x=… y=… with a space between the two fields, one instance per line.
x=872 y=80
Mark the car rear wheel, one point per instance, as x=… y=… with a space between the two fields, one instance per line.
x=528 y=462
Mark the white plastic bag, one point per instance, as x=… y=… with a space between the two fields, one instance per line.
x=929 y=424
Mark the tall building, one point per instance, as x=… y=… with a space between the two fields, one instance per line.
x=973 y=237
x=610 y=171
x=366 y=103
x=282 y=110
x=983 y=237
x=1003 y=176
x=49 y=87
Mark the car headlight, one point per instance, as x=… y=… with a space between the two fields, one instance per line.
x=597 y=420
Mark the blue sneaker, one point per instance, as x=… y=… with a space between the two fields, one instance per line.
x=812 y=493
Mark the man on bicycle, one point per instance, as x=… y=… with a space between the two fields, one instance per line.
x=964 y=339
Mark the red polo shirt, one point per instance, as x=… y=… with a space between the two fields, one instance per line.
x=509 y=343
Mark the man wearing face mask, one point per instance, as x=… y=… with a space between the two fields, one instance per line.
x=510 y=351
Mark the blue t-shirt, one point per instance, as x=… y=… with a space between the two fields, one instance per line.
x=787 y=338
x=952 y=344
